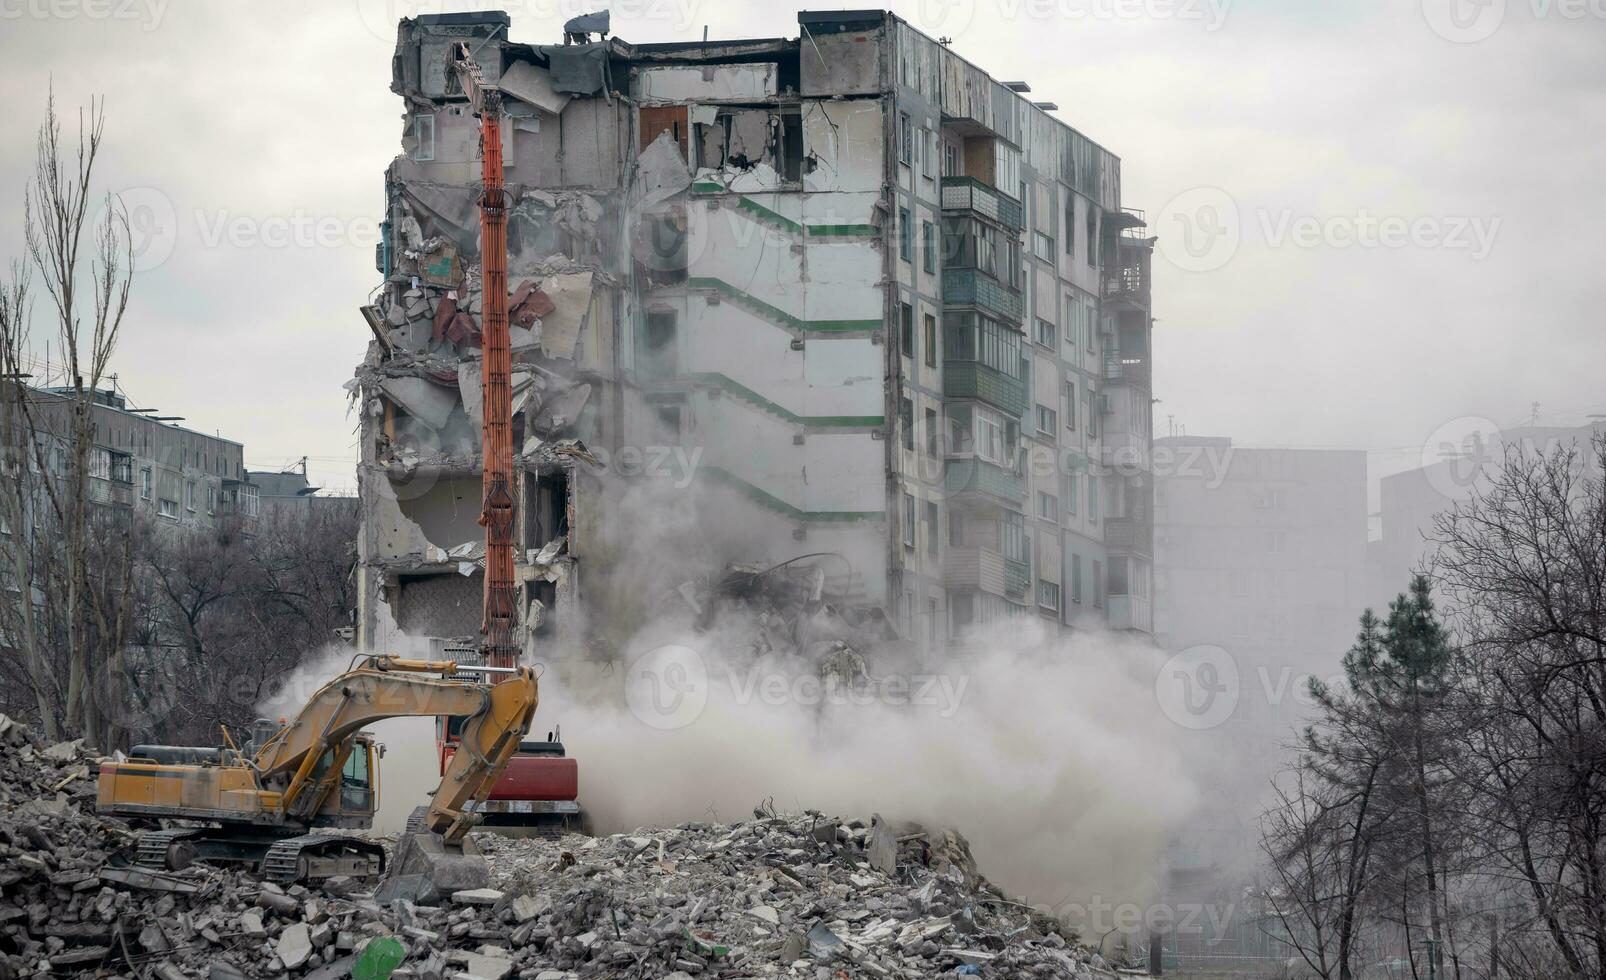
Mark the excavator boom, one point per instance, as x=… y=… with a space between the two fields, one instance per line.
x=498 y=718
x=260 y=806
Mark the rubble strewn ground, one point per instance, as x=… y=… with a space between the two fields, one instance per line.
x=779 y=895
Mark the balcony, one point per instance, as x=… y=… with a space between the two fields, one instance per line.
x=1126 y=370
x=1127 y=285
x=970 y=194
x=113 y=493
x=973 y=475
x=969 y=287
x=973 y=379
x=1129 y=537
x=984 y=570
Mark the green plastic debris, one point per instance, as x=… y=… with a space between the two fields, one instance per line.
x=703 y=947
x=379 y=956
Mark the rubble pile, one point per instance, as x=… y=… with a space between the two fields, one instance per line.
x=775 y=896
x=779 y=895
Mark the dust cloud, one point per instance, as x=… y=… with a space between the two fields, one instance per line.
x=1051 y=756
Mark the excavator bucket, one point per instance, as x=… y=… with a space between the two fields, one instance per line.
x=426 y=869
x=436 y=857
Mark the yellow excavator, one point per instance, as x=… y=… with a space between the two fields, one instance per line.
x=272 y=803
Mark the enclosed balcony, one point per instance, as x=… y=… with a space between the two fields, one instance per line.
x=973 y=475
x=968 y=287
x=970 y=194
x=1128 y=536
x=982 y=361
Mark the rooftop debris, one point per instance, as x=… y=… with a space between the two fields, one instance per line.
x=780 y=895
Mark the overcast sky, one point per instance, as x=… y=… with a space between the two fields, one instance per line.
x=1375 y=218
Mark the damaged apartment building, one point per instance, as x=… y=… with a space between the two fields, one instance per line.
x=893 y=307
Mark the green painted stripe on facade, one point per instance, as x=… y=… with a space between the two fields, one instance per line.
x=739 y=390
x=844 y=231
x=764 y=213
x=775 y=503
x=745 y=203
x=779 y=316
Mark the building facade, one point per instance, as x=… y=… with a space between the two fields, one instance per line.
x=892 y=307
x=1411 y=500
x=1261 y=575
x=146 y=465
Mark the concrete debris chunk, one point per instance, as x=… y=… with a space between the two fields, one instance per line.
x=294 y=945
x=477 y=896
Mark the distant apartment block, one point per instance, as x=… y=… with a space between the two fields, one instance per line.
x=144 y=464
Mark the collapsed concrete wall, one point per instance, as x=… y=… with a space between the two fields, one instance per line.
x=644 y=183
x=419 y=389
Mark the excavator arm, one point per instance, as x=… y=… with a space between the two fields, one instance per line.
x=498 y=717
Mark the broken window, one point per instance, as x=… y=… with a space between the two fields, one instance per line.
x=932 y=523
x=1092 y=238
x=908 y=520
x=906 y=245
x=1118 y=576
x=931 y=340
x=932 y=431
x=906 y=329
x=742 y=137
x=424 y=137
x=671 y=415
x=791 y=152
x=663 y=253
x=906 y=422
x=906 y=138
x=928 y=246
x=962 y=606
x=660 y=354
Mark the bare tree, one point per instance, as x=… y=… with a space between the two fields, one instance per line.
x=85 y=268
x=1524 y=564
